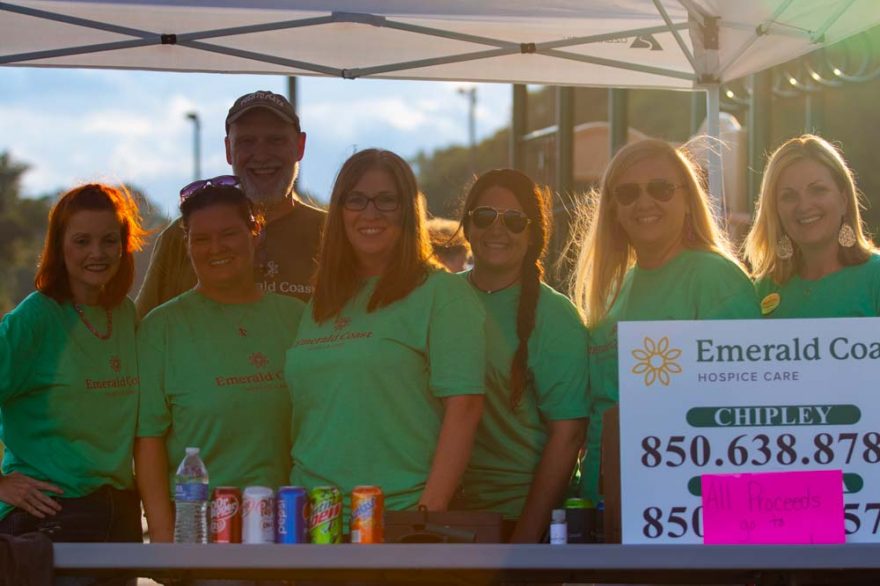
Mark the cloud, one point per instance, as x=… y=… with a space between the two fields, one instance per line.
x=84 y=125
x=350 y=119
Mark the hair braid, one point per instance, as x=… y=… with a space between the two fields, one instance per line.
x=521 y=376
x=535 y=203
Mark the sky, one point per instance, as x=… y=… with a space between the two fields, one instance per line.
x=77 y=125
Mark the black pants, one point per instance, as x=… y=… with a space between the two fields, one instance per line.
x=106 y=515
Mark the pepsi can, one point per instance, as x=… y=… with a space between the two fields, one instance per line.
x=292 y=515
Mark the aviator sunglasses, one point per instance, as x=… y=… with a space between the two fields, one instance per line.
x=659 y=189
x=219 y=181
x=513 y=220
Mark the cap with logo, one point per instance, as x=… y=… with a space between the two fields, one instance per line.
x=267 y=100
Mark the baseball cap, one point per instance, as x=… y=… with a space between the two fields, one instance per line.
x=276 y=103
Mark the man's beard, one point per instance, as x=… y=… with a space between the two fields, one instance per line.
x=267 y=196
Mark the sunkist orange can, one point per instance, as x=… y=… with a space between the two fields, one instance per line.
x=367 y=510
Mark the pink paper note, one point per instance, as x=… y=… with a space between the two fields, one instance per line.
x=773 y=507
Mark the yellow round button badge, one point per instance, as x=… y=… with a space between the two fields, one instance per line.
x=769 y=303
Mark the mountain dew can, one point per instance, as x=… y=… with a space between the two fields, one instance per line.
x=325 y=517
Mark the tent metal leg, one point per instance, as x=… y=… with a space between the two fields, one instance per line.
x=618 y=119
x=698 y=111
x=292 y=93
x=564 y=139
x=713 y=153
x=519 y=117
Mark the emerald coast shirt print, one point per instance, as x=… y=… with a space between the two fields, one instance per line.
x=68 y=399
x=212 y=377
x=367 y=387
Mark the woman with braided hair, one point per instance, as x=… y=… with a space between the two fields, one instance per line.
x=536 y=389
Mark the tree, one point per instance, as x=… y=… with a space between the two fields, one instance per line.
x=23 y=225
x=445 y=174
x=22 y=228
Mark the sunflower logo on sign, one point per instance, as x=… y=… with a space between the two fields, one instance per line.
x=656 y=360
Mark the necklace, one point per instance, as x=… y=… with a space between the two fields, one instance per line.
x=470 y=278
x=88 y=324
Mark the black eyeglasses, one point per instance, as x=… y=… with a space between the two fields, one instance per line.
x=358 y=202
x=513 y=220
x=219 y=181
x=659 y=189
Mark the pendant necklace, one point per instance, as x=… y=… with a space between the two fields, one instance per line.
x=470 y=278
x=88 y=324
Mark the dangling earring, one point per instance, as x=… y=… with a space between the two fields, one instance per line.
x=847 y=236
x=784 y=249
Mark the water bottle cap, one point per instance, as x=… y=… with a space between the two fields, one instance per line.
x=192 y=451
x=558 y=516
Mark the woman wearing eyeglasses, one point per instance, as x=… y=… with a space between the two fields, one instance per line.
x=652 y=251
x=68 y=378
x=536 y=384
x=211 y=361
x=808 y=248
x=386 y=374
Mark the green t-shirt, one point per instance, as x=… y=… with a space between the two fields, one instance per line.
x=509 y=443
x=850 y=292
x=367 y=387
x=693 y=285
x=68 y=400
x=212 y=378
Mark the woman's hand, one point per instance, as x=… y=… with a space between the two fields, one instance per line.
x=151 y=475
x=26 y=493
x=564 y=441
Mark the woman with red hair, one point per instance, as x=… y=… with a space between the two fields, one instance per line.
x=69 y=378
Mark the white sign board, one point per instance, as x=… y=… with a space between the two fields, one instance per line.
x=715 y=397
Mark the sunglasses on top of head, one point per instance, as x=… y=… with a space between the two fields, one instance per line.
x=660 y=190
x=219 y=181
x=514 y=220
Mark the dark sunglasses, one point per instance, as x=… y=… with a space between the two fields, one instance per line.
x=659 y=189
x=513 y=220
x=358 y=202
x=219 y=181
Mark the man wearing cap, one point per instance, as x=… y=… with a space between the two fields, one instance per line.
x=264 y=144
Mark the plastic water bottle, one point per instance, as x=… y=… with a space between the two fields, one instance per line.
x=558 y=528
x=191 y=500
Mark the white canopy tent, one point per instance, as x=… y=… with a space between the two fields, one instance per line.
x=673 y=44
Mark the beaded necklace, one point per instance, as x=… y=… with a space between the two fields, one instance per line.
x=88 y=324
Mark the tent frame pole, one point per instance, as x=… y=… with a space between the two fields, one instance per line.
x=518 y=125
x=618 y=119
x=564 y=140
x=713 y=153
